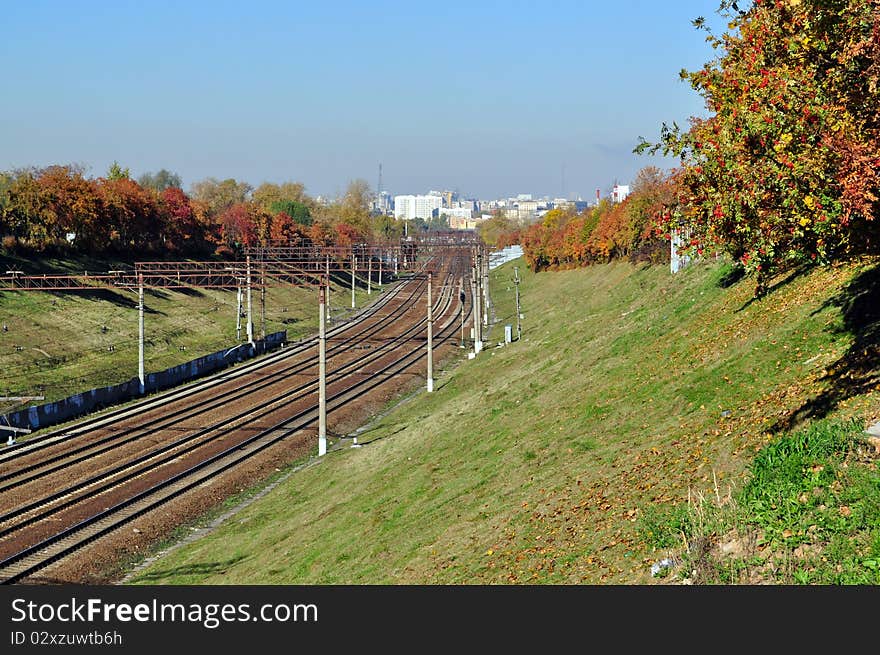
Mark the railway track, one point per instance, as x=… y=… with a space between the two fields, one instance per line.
x=161 y=400
x=53 y=525
x=25 y=464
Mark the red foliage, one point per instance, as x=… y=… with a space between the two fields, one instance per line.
x=321 y=234
x=132 y=215
x=72 y=205
x=287 y=232
x=183 y=231
x=347 y=235
x=238 y=225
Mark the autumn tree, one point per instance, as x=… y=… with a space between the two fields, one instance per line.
x=71 y=209
x=160 y=181
x=268 y=194
x=132 y=215
x=297 y=211
x=239 y=226
x=353 y=208
x=346 y=235
x=289 y=232
x=6 y=181
x=24 y=214
x=220 y=195
x=116 y=172
x=385 y=228
x=654 y=193
x=612 y=236
x=491 y=229
x=321 y=233
x=184 y=233
x=786 y=168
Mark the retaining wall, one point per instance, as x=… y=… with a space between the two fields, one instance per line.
x=41 y=416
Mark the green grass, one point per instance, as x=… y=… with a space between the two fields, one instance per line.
x=809 y=514
x=59 y=343
x=618 y=431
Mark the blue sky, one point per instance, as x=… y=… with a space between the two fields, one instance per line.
x=487 y=98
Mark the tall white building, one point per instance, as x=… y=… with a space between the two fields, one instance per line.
x=619 y=192
x=410 y=207
x=382 y=203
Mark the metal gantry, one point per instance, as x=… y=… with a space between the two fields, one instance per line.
x=277 y=265
x=188 y=274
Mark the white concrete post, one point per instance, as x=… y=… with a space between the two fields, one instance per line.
x=461 y=311
x=141 y=374
x=485 y=277
x=327 y=299
x=518 y=311
x=430 y=340
x=322 y=376
x=250 y=322
x=353 y=264
x=263 y=301
x=238 y=312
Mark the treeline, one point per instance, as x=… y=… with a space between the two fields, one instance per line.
x=58 y=209
x=563 y=238
x=785 y=170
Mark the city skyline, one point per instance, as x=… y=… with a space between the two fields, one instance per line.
x=490 y=99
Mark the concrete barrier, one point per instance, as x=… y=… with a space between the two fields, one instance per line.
x=41 y=416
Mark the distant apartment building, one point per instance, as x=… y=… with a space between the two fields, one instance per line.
x=409 y=207
x=619 y=192
x=458 y=217
x=459 y=223
x=527 y=206
x=522 y=209
x=382 y=203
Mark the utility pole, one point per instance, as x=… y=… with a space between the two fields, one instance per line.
x=327 y=299
x=238 y=313
x=250 y=322
x=484 y=272
x=141 y=376
x=461 y=311
x=353 y=264
x=380 y=268
x=518 y=313
x=478 y=326
x=322 y=375
x=369 y=271
x=430 y=340
x=263 y=301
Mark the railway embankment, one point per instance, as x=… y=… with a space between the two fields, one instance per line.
x=55 y=344
x=647 y=428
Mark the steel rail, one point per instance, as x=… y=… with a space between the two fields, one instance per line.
x=174 y=450
x=30 y=560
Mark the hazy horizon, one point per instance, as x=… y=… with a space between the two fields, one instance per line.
x=489 y=99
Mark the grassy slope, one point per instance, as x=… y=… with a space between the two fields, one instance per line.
x=558 y=459
x=64 y=350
